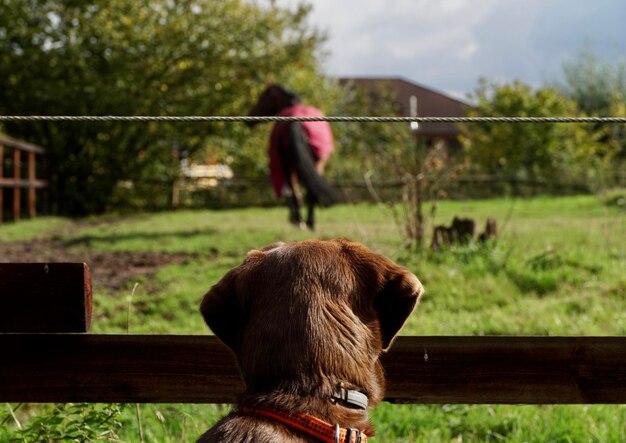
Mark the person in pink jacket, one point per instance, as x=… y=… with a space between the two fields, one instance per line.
x=298 y=152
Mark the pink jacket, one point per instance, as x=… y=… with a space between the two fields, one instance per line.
x=320 y=139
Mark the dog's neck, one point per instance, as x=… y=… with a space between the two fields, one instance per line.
x=324 y=407
x=312 y=389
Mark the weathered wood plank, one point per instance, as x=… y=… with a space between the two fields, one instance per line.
x=22 y=183
x=1 y=177
x=525 y=370
x=199 y=369
x=19 y=144
x=45 y=297
x=17 y=193
x=32 y=195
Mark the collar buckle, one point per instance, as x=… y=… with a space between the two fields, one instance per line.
x=353 y=398
x=357 y=435
x=349 y=433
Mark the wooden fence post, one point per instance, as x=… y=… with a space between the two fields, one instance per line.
x=17 y=194
x=45 y=297
x=32 y=195
x=1 y=176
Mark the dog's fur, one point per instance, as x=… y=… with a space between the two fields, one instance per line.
x=303 y=319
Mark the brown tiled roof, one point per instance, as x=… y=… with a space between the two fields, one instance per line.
x=430 y=103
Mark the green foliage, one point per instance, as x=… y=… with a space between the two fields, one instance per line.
x=595 y=84
x=132 y=58
x=73 y=422
x=599 y=88
x=552 y=152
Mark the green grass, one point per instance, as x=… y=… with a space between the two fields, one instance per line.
x=32 y=229
x=558 y=268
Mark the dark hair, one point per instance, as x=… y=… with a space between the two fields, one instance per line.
x=293 y=98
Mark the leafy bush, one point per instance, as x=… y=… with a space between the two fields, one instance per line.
x=549 y=152
x=73 y=422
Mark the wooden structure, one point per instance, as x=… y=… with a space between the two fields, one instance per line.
x=18 y=182
x=45 y=297
x=200 y=369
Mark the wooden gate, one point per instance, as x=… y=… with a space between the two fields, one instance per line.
x=19 y=180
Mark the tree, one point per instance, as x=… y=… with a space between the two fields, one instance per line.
x=599 y=88
x=596 y=85
x=97 y=57
x=552 y=152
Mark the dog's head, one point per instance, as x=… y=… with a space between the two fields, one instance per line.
x=314 y=313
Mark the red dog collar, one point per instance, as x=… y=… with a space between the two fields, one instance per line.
x=313 y=426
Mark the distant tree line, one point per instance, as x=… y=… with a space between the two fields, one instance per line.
x=97 y=57
x=201 y=57
x=580 y=153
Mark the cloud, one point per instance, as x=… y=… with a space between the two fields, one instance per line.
x=389 y=37
x=449 y=44
x=468 y=51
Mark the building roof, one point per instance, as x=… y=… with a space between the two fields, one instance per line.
x=430 y=103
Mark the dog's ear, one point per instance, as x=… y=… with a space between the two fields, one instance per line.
x=393 y=290
x=223 y=307
x=395 y=301
x=221 y=311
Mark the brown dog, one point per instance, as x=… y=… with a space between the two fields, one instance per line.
x=307 y=322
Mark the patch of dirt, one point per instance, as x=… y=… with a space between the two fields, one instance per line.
x=108 y=269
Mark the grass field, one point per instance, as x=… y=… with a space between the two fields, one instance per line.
x=558 y=268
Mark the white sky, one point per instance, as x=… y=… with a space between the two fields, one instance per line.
x=449 y=44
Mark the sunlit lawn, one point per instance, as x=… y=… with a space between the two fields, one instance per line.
x=558 y=268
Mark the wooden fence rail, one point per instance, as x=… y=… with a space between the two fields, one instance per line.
x=199 y=369
x=17 y=182
x=71 y=367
